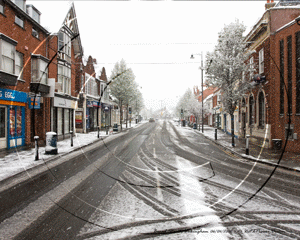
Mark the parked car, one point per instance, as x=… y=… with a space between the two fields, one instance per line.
x=151 y=120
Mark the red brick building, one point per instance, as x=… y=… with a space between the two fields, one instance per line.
x=26 y=49
x=273 y=46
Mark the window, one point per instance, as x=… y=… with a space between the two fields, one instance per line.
x=19 y=65
x=64 y=46
x=1 y=6
x=91 y=87
x=261 y=109
x=261 y=61
x=251 y=110
x=35 y=32
x=20 y=4
x=8 y=57
x=281 y=54
x=19 y=21
x=39 y=69
x=289 y=69
x=251 y=67
x=64 y=78
x=298 y=72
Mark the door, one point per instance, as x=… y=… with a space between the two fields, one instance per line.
x=3 y=138
x=244 y=125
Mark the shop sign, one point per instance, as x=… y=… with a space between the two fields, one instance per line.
x=11 y=95
x=64 y=103
x=36 y=101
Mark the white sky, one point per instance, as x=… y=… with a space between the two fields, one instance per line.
x=150 y=35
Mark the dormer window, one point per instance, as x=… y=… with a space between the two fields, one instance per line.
x=1 y=6
x=33 y=13
x=20 y=4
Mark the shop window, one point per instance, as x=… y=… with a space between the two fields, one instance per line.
x=39 y=69
x=64 y=79
x=2 y=122
x=66 y=121
x=19 y=65
x=15 y=122
x=59 y=121
x=261 y=111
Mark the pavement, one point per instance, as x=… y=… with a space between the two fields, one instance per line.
x=17 y=160
x=289 y=160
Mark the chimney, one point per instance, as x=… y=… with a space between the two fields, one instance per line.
x=269 y=4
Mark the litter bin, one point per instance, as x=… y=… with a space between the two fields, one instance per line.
x=115 y=127
x=195 y=126
x=51 y=143
x=183 y=123
x=277 y=144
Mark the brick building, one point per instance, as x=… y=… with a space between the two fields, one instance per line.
x=273 y=49
x=26 y=49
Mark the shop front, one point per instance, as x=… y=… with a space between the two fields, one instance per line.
x=91 y=115
x=63 y=116
x=12 y=118
x=105 y=115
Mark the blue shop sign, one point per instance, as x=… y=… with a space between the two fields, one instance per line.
x=36 y=101
x=11 y=95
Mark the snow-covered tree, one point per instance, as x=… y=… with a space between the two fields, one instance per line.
x=122 y=86
x=189 y=104
x=225 y=68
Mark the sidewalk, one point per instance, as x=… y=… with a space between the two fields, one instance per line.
x=289 y=160
x=15 y=160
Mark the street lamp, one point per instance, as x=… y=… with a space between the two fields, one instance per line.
x=202 y=68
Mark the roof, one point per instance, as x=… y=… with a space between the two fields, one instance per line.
x=206 y=93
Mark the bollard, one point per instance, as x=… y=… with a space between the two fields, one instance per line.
x=98 y=132
x=106 y=129
x=247 y=144
x=71 y=132
x=36 y=138
x=216 y=134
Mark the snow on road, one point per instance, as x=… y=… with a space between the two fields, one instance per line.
x=190 y=183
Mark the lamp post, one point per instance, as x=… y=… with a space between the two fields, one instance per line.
x=202 y=68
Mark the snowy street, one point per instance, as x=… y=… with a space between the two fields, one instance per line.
x=157 y=181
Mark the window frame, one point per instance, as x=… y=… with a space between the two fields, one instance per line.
x=19 y=21
x=261 y=109
x=13 y=43
x=261 y=61
x=64 y=78
x=20 y=72
x=36 y=62
x=35 y=32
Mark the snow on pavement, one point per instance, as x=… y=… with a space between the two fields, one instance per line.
x=18 y=161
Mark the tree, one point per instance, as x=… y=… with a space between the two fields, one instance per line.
x=122 y=81
x=189 y=104
x=226 y=67
x=124 y=88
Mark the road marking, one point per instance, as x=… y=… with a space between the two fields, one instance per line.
x=154 y=154
x=159 y=192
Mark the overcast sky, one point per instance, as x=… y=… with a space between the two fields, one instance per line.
x=155 y=38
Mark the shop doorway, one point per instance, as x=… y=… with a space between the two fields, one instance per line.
x=3 y=138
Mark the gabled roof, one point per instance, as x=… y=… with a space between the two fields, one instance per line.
x=70 y=22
